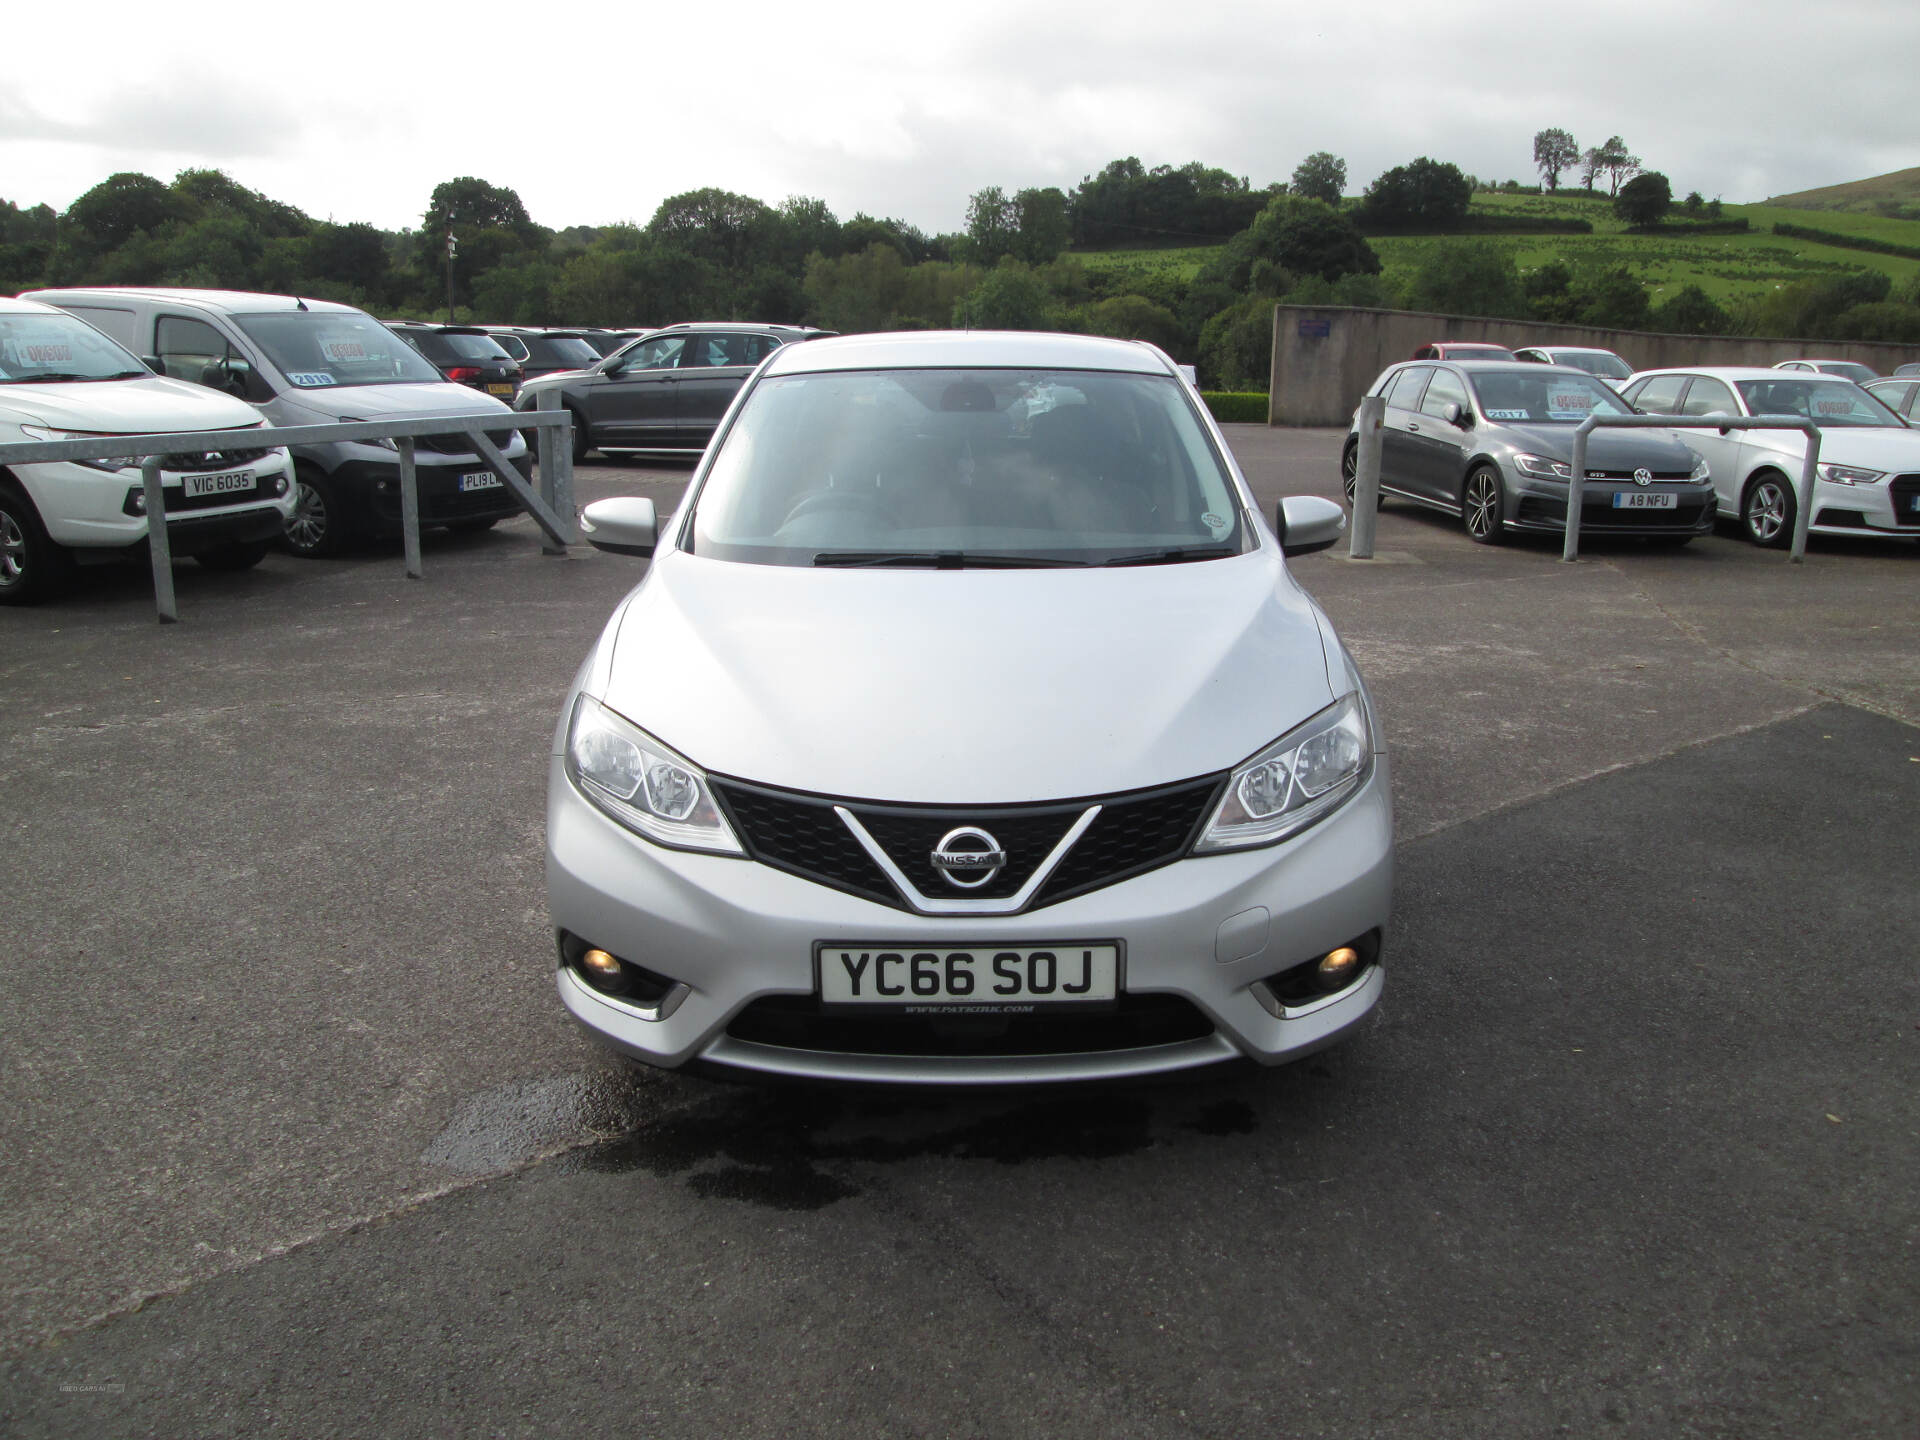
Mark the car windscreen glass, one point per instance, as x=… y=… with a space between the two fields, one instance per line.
x=566 y=350
x=317 y=348
x=36 y=347
x=1847 y=370
x=952 y=467
x=1826 y=402
x=474 y=347
x=1607 y=367
x=1535 y=397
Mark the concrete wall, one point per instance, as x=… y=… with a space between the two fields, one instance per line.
x=1325 y=357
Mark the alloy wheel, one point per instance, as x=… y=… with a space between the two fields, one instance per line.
x=13 y=551
x=1767 y=511
x=307 y=530
x=1483 y=505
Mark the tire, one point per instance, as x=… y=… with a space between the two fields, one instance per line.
x=240 y=555
x=1767 y=510
x=582 y=440
x=1480 y=502
x=1350 y=475
x=320 y=525
x=31 y=565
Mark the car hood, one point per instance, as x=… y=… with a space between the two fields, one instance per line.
x=151 y=405
x=967 y=686
x=548 y=379
x=394 y=402
x=1874 y=447
x=1606 y=449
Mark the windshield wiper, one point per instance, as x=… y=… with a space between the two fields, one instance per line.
x=50 y=377
x=1174 y=556
x=941 y=559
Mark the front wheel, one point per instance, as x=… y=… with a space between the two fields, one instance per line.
x=1480 y=506
x=1350 y=475
x=320 y=525
x=1766 y=515
x=30 y=563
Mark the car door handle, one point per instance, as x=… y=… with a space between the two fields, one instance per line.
x=1411 y=426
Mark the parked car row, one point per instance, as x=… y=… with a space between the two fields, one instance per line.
x=1491 y=443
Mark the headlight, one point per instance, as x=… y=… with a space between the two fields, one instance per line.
x=112 y=467
x=1300 y=778
x=381 y=440
x=1849 y=474
x=1542 y=468
x=642 y=784
x=1700 y=469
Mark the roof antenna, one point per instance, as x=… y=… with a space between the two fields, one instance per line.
x=298 y=303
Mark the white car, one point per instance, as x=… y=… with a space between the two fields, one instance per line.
x=1869 y=475
x=60 y=379
x=1602 y=364
x=968 y=727
x=1846 y=369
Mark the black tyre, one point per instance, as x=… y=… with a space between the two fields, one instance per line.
x=237 y=556
x=31 y=565
x=1480 y=503
x=1766 y=511
x=320 y=524
x=1350 y=475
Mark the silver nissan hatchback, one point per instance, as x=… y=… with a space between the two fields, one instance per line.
x=968 y=727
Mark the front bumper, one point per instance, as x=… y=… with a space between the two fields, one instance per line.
x=94 y=510
x=732 y=932
x=1891 y=507
x=375 y=486
x=1542 y=505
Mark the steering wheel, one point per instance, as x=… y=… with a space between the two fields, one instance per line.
x=824 y=502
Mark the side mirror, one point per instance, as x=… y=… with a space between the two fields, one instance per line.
x=1306 y=523
x=1457 y=417
x=624 y=525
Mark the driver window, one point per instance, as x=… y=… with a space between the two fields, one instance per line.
x=1444 y=389
x=1661 y=395
x=1708 y=397
x=192 y=350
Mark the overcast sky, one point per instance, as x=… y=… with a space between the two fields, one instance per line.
x=595 y=113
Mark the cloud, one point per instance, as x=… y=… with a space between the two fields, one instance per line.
x=217 y=122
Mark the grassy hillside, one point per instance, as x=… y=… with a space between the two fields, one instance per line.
x=1901 y=188
x=1727 y=267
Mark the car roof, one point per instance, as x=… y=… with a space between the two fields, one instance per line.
x=1572 y=350
x=11 y=306
x=1736 y=372
x=969 y=349
x=234 y=301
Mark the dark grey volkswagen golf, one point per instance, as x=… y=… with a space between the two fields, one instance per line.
x=1493 y=444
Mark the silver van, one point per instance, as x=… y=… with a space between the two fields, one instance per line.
x=315 y=362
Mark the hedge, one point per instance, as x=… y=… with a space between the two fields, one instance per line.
x=1850 y=242
x=1237 y=406
x=1737 y=226
x=1491 y=225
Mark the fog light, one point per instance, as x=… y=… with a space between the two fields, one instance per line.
x=601 y=968
x=279 y=484
x=1337 y=967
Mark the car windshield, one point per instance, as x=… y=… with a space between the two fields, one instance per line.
x=1826 y=402
x=1607 y=367
x=955 y=468
x=1847 y=370
x=40 y=347
x=1535 y=397
x=319 y=348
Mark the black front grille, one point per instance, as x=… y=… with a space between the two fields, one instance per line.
x=192 y=461
x=460 y=443
x=1905 y=490
x=1133 y=1022
x=1136 y=831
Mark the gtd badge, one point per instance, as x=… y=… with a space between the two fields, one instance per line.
x=969 y=857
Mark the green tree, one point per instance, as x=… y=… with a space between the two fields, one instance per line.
x=1040 y=223
x=1553 y=152
x=1425 y=194
x=1613 y=299
x=1236 y=346
x=1645 y=199
x=1321 y=176
x=112 y=212
x=856 y=294
x=733 y=232
x=353 y=255
x=1467 y=277
x=1613 y=159
x=1691 y=311
x=1292 y=236
x=1133 y=317
x=1011 y=297
x=993 y=225
x=1549 y=293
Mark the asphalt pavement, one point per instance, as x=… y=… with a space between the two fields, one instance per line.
x=300 y=1142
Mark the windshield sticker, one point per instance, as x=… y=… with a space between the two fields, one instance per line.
x=1842 y=406
x=338 y=347
x=310 y=378
x=48 y=354
x=1506 y=414
x=1568 y=402
x=1218 y=524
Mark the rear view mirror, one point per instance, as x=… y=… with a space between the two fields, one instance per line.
x=624 y=525
x=1456 y=416
x=1306 y=523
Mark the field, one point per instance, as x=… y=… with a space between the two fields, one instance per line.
x=1727 y=267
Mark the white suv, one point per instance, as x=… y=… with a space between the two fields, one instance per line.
x=60 y=379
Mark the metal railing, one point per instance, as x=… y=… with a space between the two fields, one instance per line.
x=1809 y=469
x=551 y=506
x=1366 y=488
